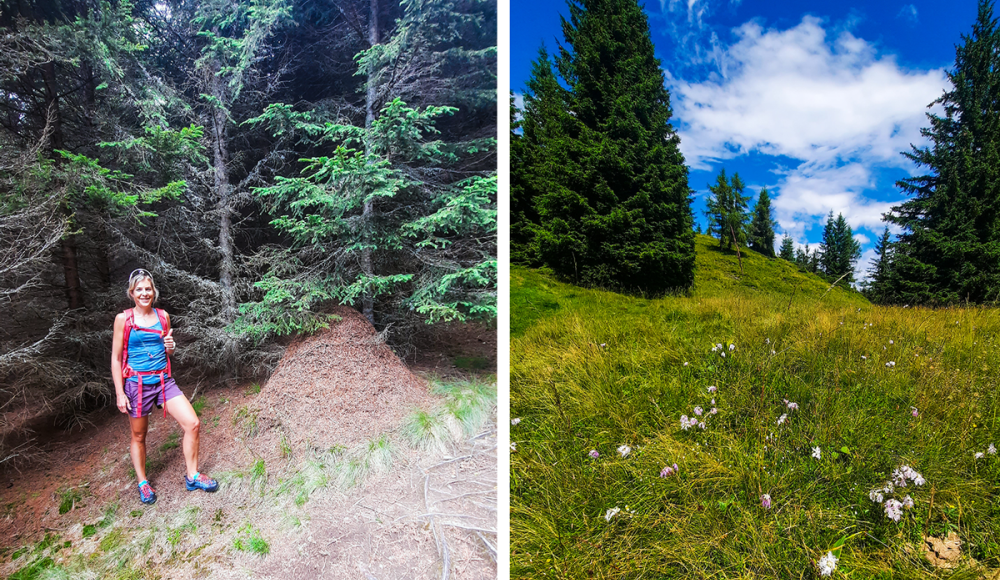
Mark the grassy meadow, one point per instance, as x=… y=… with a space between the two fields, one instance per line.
x=877 y=390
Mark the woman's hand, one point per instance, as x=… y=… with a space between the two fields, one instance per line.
x=168 y=341
x=123 y=403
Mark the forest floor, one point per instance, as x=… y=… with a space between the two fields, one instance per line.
x=415 y=497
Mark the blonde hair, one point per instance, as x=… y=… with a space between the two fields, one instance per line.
x=138 y=275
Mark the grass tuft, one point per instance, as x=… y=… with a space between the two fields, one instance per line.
x=245 y=419
x=425 y=431
x=249 y=539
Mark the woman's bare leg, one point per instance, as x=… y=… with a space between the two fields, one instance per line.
x=138 y=447
x=181 y=410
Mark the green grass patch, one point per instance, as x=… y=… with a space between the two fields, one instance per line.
x=89 y=530
x=245 y=420
x=34 y=571
x=112 y=540
x=68 y=498
x=199 y=405
x=475 y=363
x=172 y=442
x=600 y=370
x=249 y=539
x=253 y=389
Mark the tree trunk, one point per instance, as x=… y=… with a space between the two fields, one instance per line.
x=220 y=162
x=368 y=211
x=53 y=132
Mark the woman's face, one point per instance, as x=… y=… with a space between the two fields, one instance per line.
x=143 y=293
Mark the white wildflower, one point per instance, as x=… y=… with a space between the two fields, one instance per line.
x=712 y=389
x=979 y=455
x=513 y=446
x=515 y=421
x=702 y=425
x=875 y=495
x=827 y=564
x=782 y=418
x=732 y=347
x=908 y=502
x=611 y=513
x=698 y=411
x=893 y=509
x=816 y=452
x=992 y=449
x=624 y=450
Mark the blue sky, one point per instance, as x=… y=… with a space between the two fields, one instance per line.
x=814 y=101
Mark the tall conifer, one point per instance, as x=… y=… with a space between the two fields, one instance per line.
x=839 y=251
x=727 y=210
x=621 y=214
x=787 y=251
x=949 y=249
x=878 y=275
x=761 y=235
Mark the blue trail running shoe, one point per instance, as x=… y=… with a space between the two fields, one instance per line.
x=201 y=481
x=147 y=494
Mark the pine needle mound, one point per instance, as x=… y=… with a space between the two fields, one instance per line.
x=340 y=387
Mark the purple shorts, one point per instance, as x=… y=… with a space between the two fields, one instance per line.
x=151 y=395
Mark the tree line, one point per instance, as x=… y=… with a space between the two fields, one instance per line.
x=263 y=159
x=599 y=189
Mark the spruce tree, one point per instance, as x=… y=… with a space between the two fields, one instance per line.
x=802 y=258
x=540 y=160
x=949 y=249
x=839 y=251
x=727 y=211
x=877 y=289
x=787 y=251
x=761 y=236
x=621 y=216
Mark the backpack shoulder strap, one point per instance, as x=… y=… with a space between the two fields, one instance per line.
x=129 y=323
x=162 y=315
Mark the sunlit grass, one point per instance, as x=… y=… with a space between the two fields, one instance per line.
x=592 y=370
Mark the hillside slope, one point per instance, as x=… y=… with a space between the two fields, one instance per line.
x=750 y=429
x=535 y=294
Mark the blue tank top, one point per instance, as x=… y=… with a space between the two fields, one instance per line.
x=147 y=353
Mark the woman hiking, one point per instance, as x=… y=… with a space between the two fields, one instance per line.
x=140 y=367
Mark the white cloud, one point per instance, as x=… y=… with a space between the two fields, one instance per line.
x=861 y=239
x=808 y=193
x=835 y=110
x=909 y=14
x=519 y=101
x=801 y=94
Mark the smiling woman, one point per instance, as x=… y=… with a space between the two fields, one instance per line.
x=140 y=357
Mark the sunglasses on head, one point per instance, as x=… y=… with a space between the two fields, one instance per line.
x=139 y=272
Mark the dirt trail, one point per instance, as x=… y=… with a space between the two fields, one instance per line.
x=385 y=526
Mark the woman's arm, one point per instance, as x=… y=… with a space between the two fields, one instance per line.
x=116 y=363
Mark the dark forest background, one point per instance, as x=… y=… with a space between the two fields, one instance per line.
x=264 y=159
